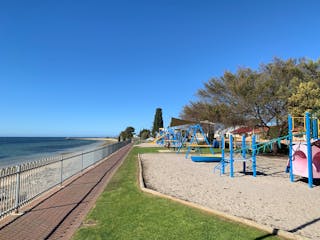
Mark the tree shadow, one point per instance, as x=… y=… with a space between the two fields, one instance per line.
x=304 y=225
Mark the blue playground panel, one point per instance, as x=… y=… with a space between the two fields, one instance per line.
x=205 y=159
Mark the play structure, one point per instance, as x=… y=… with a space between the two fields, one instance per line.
x=304 y=155
x=300 y=161
x=169 y=137
x=302 y=141
x=234 y=155
x=246 y=153
x=160 y=137
x=197 y=143
x=189 y=136
x=304 y=150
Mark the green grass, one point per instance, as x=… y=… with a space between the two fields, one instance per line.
x=124 y=212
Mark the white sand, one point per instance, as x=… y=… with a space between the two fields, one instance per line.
x=269 y=199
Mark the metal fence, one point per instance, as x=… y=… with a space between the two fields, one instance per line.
x=22 y=183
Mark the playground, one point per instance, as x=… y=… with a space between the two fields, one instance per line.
x=242 y=180
x=269 y=198
x=302 y=142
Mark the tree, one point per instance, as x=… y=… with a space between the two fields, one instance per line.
x=255 y=98
x=240 y=95
x=158 y=121
x=127 y=134
x=306 y=98
x=144 y=134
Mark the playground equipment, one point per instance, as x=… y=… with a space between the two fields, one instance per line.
x=169 y=137
x=160 y=137
x=196 y=143
x=304 y=156
x=300 y=162
x=234 y=155
x=255 y=148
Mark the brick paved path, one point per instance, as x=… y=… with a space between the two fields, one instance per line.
x=59 y=215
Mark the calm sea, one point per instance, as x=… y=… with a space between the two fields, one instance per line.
x=16 y=150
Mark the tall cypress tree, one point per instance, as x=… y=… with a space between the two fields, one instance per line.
x=158 y=122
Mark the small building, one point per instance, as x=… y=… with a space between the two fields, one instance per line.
x=248 y=132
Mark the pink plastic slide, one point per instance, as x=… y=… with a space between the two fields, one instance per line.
x=300 y=162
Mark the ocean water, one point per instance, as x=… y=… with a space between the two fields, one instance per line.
x=17 y=150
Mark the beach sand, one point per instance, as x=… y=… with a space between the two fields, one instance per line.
x=269 y=199
x=96 y=139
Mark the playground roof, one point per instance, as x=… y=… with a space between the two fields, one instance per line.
x=242 y=130
x=180 y=122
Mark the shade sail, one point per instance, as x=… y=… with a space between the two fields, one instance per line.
x=180 y=122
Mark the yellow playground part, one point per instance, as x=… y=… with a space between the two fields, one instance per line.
x=299 y=118
x=210 y=155
x=157 y=139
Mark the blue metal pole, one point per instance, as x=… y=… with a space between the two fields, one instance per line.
x=254 y=150
x=222 y=155
x=244 y=152
x=184 y=139
x=290 y=147
x=205 y=138
x=309 y=157
x=231 y=155
x=315 y=128
x=193 y=138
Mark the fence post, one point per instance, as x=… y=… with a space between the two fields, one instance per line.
x=17 y=189
x=81 y=161
x=61 y=170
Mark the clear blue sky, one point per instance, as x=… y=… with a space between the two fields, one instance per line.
x=92 y=68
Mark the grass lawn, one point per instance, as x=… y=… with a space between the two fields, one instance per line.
x=124 y=212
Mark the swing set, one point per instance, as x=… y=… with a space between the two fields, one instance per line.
x=197 y=144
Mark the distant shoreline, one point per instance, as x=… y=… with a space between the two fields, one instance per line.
x=93 y=139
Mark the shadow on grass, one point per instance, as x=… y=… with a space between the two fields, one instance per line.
x=274 y=233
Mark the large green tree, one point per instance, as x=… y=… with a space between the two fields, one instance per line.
x=254 y=97
x=158 y=121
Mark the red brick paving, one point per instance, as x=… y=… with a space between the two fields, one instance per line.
x=59 y=215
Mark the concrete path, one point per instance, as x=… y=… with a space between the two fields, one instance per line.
x=58 y=215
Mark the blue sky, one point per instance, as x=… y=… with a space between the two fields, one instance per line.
x=92 y=68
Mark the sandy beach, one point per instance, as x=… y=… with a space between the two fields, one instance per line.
x=269 y=199
x=95 y=139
